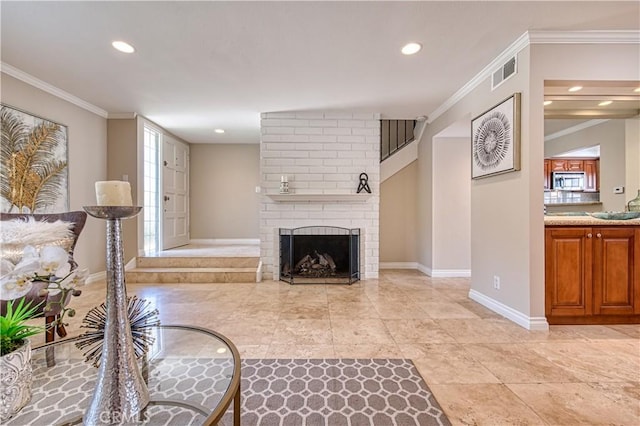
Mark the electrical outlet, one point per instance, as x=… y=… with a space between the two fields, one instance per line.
x=618 y=189
x=496 y=282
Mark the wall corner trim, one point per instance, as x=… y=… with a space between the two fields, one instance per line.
x=51 y=89
x=424 y=269
x=530 y=323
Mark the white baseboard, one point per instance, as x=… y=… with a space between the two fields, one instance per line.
x=444 y=273
x=102 y=275
x=424 y=269
x=451 y=273
x=530 y=323
x=98 y=276
x=398 y=265
x=231 y=241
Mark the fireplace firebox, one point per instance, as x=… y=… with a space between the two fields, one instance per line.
x=319 y=255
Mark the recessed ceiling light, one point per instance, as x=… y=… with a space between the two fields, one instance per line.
x=547 y=103
x=123 y=46
x=575 y=88
x=605 y=103
x=411 y=48
x=219 y=130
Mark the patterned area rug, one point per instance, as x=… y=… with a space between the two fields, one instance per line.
x=334 y=392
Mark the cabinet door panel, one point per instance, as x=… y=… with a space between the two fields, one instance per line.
x=615 y=271
x=558 y=165
x=590 y=175
x=568 y=260
x=547 y=174
x=575 y=165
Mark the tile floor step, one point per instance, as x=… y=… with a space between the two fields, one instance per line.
x=191 y=275
x=198 y=262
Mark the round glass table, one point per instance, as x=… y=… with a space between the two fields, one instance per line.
x=192 y=375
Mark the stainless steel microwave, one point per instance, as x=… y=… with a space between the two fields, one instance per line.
x=568 y=181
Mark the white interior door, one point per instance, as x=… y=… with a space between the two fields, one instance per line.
x=175 y=186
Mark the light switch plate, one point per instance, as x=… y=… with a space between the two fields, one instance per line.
x=618 y=189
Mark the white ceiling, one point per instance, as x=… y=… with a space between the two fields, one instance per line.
x=205 y=65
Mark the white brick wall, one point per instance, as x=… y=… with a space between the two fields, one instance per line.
x=320 y=153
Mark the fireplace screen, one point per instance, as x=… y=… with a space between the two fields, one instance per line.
x=319 y=255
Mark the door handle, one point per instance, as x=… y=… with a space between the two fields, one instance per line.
x=166 y=198
x=165 y=163
x=589 y=235
x=599 y=235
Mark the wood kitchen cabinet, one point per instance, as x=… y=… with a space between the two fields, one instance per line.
x=592 y=275
x=591 y=173
x=547 y=174
x=590 y=167
x=567 y=165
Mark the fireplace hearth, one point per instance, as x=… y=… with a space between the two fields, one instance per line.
x=319 y=255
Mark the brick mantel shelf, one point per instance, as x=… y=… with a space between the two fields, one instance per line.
x=320 y=198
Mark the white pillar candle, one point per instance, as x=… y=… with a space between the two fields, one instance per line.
x=113 y=193
x=284 y=179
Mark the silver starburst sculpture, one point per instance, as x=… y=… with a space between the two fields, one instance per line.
x=141 y=317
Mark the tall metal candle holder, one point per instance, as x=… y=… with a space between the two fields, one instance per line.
x=120 y=393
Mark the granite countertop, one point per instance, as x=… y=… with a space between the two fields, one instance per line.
x=581 y=203
x=586 y=221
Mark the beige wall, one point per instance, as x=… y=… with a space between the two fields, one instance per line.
x=611 y=138
x=223 y=178
x=507 y=223
x=451 y=206
x=501 y=205
x=122 y=160
x=87 y=133
x=398 y=216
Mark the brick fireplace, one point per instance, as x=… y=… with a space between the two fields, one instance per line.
x=322 y=154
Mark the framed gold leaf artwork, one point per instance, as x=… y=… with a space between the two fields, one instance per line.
x=33 y=163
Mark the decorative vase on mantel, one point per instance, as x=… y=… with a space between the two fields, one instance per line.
x=16 y=378
x=634 y=205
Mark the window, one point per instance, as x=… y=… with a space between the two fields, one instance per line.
x=151 y=190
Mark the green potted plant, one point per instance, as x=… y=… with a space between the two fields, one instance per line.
x=15 y=362
x=49 y=265
x=13 y=328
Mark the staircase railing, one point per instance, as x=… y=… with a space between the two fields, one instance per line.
x=394 y=134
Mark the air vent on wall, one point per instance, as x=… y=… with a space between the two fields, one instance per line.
x=503 y=73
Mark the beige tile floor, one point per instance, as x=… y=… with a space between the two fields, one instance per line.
x=483 y=369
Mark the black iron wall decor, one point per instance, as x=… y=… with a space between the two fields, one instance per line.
x=364 y=183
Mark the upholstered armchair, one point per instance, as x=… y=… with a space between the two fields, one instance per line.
x=11 y=248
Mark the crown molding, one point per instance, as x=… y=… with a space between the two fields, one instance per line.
x=122 y=115
x=536 y=37
x=513 y=49
x=46 y=87
x=585 y=37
